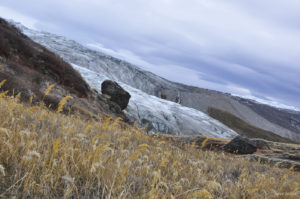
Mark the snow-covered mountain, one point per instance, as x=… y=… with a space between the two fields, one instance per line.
x=164 y=115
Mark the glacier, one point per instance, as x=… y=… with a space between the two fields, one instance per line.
x=164 y=116
x=153 y=113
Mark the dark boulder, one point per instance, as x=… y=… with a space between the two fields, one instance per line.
x=240 y=145
x=116 y=92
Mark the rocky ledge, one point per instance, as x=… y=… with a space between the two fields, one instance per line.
x=274 y=154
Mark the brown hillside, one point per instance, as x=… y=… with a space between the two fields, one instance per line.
x=243 y=128
x=30 y=68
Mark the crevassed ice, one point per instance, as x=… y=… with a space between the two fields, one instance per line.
x=164 y=116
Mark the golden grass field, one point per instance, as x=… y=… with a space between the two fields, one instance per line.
x=45 y=154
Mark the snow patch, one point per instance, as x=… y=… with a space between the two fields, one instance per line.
x=267 y=102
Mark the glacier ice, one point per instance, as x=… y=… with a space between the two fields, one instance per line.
x=160 y=115
x=165 y=116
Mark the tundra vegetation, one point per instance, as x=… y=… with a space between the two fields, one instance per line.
x=51 y=155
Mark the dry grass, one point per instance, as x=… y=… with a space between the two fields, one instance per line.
x=49 y=155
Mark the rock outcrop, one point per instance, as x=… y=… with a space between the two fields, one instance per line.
x=30 y=69
x=274 y=154
x=240 y=145
x=116 y=92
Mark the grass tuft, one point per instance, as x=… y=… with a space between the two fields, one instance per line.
x=2 y=83
x=62 y=102
x=48 y=90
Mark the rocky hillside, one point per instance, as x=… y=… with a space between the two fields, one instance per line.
x=280 y=121
x=29 y=69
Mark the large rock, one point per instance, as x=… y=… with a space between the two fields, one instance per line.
x=240 y=145
x=116 y=92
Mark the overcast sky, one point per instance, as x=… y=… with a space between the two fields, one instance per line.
x=243 y=47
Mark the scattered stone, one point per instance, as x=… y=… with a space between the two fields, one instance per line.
x=116 y=92
x=240 y=145
x=293 y=157
x=261 y=144
x=280 y=161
